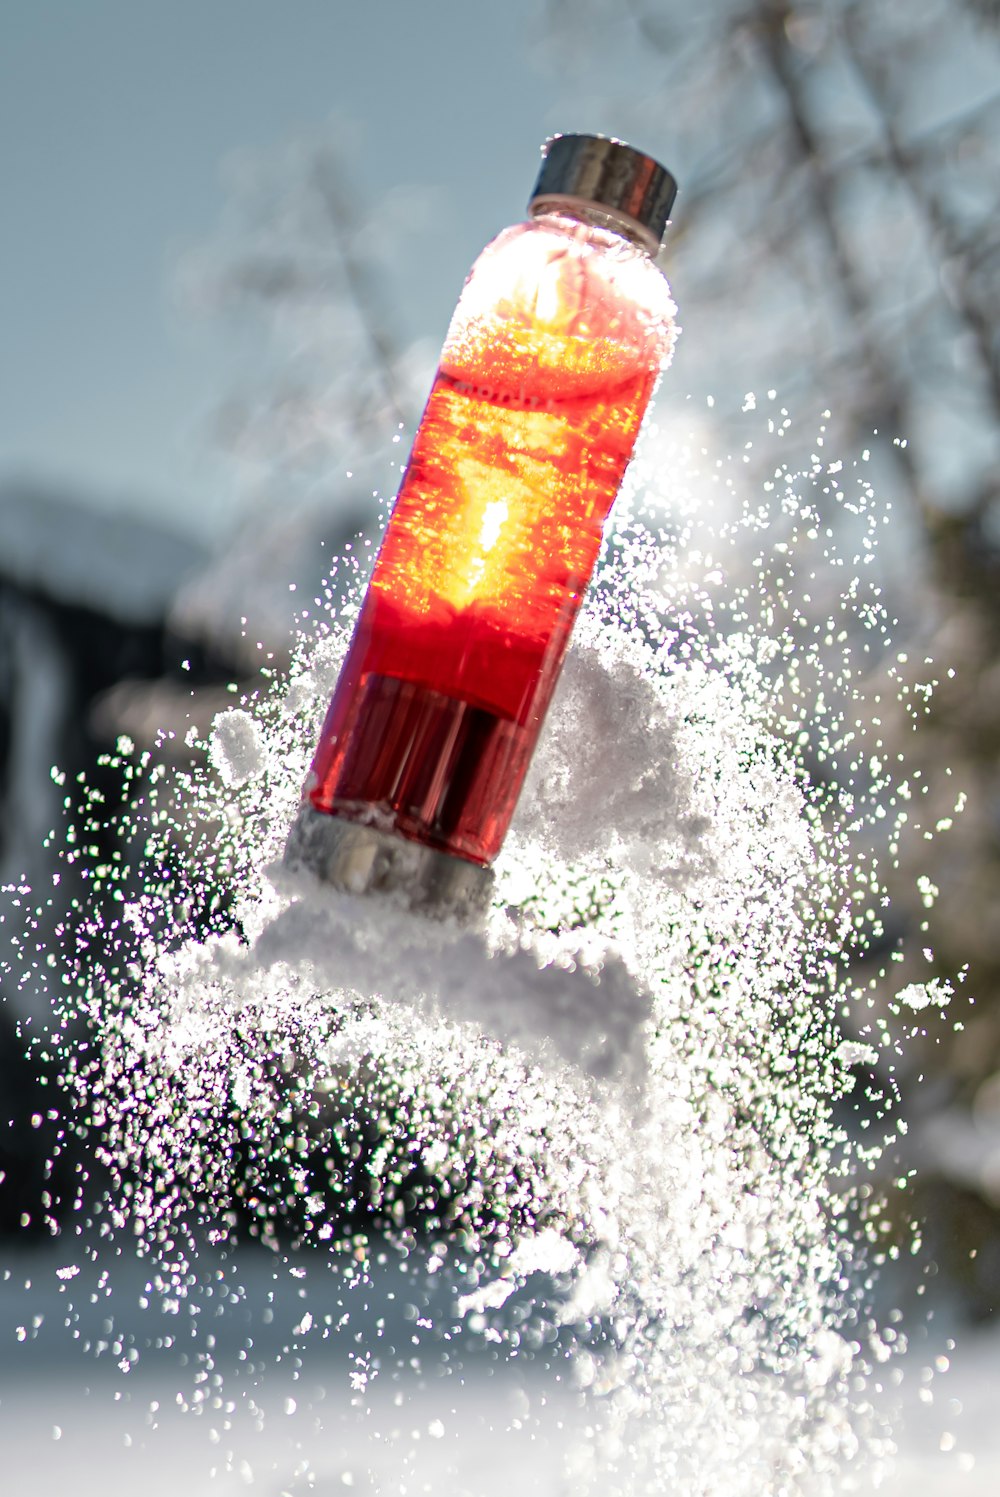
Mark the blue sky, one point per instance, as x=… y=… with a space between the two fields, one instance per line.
x=116 y=121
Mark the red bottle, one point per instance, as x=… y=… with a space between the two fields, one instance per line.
x=548 y=367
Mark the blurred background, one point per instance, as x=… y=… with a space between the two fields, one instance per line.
x=232 y=239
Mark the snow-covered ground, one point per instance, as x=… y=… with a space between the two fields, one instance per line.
x=949 y=1445
x=469 y=1422
x=59 y=546
x=949 y=1442
x=71 y=1431
x=464 y=1421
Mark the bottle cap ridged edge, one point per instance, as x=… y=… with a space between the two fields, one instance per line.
x=611 y=175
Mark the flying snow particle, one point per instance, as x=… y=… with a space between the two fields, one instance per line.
x=236 y=747
x=852 y=1053
x=923 y=994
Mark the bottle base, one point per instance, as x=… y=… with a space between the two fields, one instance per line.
x=432 y=768
x=361 y=859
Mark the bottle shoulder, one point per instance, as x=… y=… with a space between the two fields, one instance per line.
x=549 y=240
x=557 y=293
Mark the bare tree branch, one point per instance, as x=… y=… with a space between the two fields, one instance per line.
x=366 y=294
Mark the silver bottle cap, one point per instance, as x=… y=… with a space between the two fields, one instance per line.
x=597 y=171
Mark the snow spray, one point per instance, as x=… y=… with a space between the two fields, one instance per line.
x=547 y=369
x=591 y=1156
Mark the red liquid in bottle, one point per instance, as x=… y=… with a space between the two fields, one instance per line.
x=548 y=368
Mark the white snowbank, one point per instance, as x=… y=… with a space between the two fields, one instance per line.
x=121 y=565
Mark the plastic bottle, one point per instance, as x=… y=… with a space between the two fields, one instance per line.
x=549 y=363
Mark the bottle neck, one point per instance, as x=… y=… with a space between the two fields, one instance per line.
x=595 y=215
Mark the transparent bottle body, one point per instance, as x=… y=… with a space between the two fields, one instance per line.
x=548 y=367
